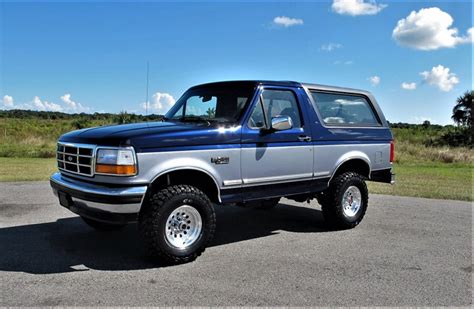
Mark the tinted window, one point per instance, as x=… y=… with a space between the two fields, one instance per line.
x=339 y=109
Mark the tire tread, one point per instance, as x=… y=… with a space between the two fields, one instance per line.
x=331 y=198
x=152 y=215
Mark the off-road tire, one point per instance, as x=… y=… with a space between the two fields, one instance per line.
x=263 y=205
x=155 y=213
x=331 y=201
x=102 y=226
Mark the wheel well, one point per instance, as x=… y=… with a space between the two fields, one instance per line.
x=353 y=165
x=194 y=178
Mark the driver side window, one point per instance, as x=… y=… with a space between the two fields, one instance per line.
x=275 y=103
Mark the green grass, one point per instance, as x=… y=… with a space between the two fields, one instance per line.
x=430 y=180
x=36 y=138
x=30 y=134
x=26 y=169
x=440 y=180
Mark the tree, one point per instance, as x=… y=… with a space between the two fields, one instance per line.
x=211 y=112
x=426 y=124
x=123 y=117
x=462 y=111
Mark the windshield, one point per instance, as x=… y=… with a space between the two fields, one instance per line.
x=211 y=105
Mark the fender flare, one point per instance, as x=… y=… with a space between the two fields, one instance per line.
x=193 y=168
x=351 y=155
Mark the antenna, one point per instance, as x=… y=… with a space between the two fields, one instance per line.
x=147 y=80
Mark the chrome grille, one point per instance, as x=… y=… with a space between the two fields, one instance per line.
x=76 y=159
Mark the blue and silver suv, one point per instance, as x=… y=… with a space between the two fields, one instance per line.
x=247 y=143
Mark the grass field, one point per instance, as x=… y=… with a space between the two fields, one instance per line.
x=35 y=138
x=26 y=169
x=441 y=180
x=430 y=180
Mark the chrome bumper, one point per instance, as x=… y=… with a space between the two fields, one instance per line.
x=98 y=202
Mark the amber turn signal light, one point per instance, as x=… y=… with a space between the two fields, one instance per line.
x=128 y=170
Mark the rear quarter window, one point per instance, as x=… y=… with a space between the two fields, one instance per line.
x=345 y=110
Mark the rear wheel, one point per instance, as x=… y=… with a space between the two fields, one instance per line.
x=102 y=226
x=345 y=202
x=177 y=224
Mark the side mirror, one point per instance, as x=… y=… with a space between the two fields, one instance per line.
x=282 y=123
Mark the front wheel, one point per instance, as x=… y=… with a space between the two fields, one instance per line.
x=345 y=202
x=177 y=224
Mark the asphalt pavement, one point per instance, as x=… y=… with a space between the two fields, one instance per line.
x=407 y=251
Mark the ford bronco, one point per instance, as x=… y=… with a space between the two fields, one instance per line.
x=247 y=143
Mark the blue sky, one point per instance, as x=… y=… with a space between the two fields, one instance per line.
x=92 y=56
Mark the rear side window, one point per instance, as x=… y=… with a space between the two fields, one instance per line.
x=342 y=109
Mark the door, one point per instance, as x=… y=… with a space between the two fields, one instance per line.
x=270 y=159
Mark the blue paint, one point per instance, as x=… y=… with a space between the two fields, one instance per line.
x=175 y=136
x=188 y=148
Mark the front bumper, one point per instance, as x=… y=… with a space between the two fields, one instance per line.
x=98 y=202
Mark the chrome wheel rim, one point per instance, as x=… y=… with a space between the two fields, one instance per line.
x=183 y=227
x=351 y=201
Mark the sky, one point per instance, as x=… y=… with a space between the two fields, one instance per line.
x=415 y=57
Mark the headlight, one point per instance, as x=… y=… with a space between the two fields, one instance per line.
x=116 y=162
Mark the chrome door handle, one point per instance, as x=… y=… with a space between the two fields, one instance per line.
x=304 y=138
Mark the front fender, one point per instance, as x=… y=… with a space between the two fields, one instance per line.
x=152 y=165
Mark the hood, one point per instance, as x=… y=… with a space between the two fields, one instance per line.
x=149 y=135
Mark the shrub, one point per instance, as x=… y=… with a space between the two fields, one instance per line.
x=81 y=124
x=458 y=137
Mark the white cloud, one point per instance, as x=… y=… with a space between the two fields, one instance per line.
x=160 y=103
x=408 y=86
x=429 y=29
x=45 y=105
x=286 y=22
x=7 y=101
x=441 y=77
x=69 y=105
x=73 y=106
x=374 y=80
x=470 y=35
x=330 y=46
x=357 y=7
